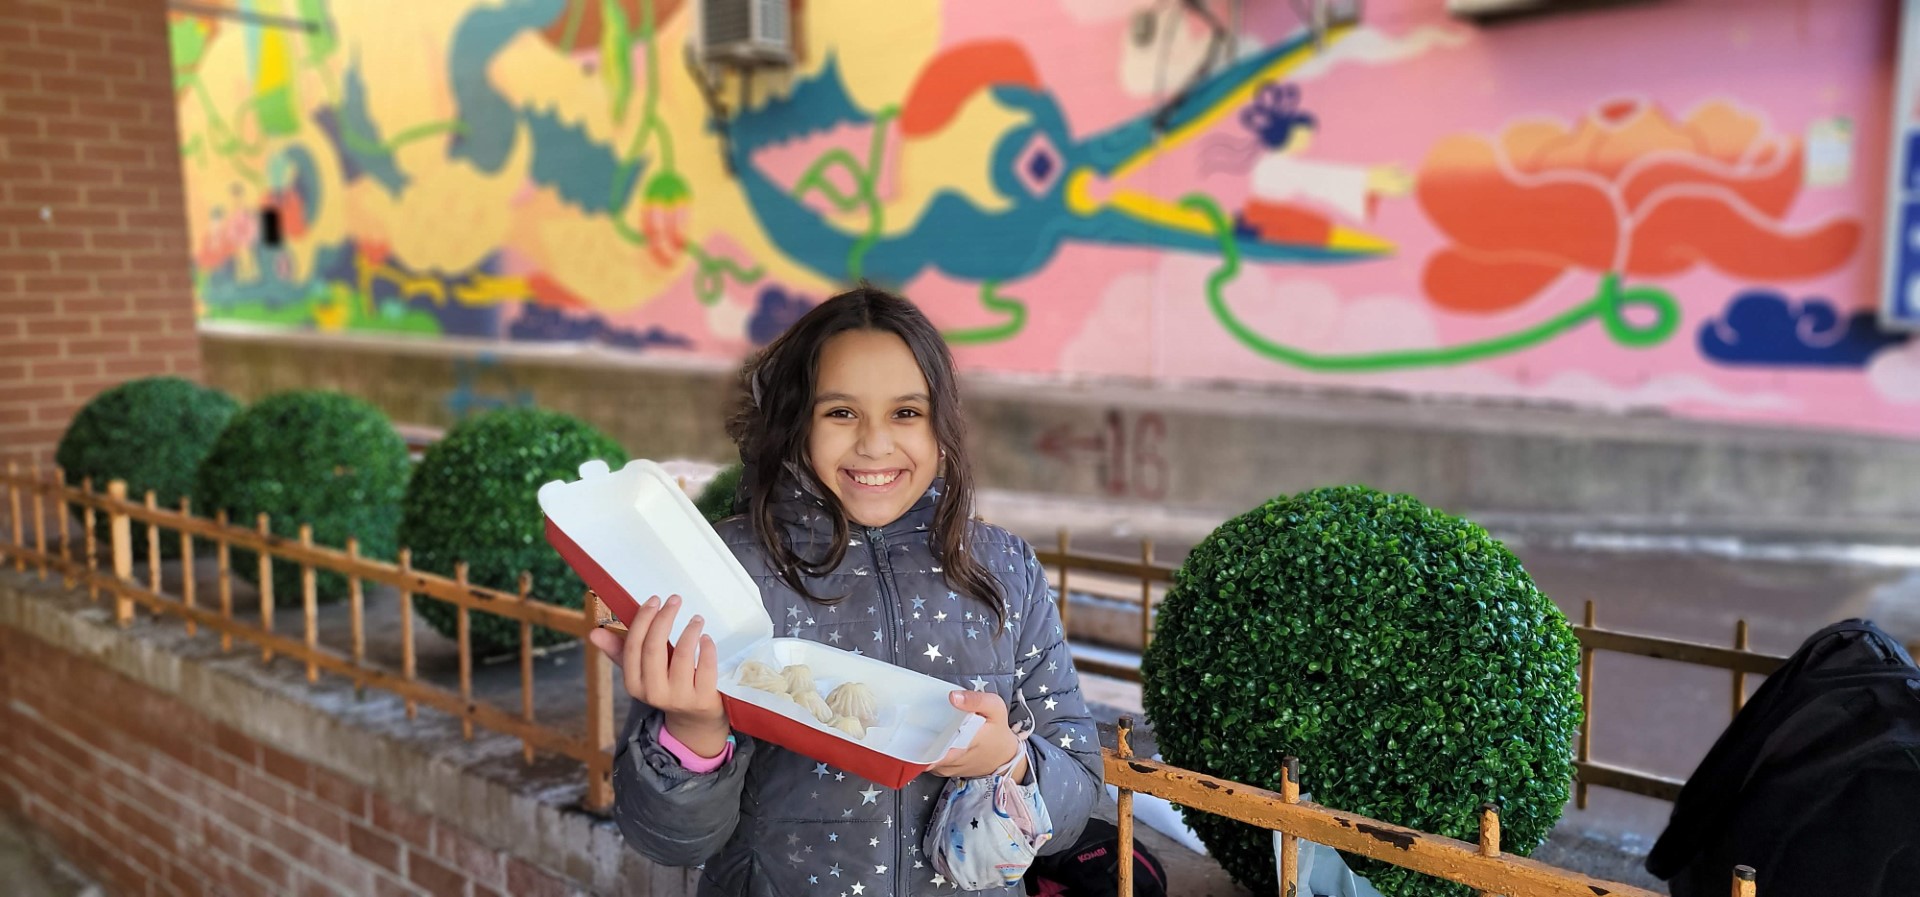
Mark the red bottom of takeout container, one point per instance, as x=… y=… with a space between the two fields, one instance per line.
x=745 y=717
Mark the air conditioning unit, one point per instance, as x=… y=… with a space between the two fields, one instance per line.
x=746 y=32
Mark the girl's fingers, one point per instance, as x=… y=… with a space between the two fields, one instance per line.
x=680 y=669
x=610 y=643
x=706 y=676
x=654 y=658
x=634 y=668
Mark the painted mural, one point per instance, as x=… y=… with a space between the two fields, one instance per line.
x=1656 y=207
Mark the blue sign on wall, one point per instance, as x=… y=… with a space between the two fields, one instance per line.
x=1900 y=288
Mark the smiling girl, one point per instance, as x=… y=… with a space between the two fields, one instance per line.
x=859 y=531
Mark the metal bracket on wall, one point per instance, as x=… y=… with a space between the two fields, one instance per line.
x=716 y=107
x=1219 y=46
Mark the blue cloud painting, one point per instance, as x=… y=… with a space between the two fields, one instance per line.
x=1764 y=327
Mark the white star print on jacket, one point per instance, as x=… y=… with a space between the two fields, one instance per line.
x=772 y=822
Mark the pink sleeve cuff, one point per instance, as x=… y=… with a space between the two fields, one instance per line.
x=691 y=761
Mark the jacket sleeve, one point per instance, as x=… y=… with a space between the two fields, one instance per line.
x=1065 y=745
x=672 y=816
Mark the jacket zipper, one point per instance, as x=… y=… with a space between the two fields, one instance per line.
x=889 y=599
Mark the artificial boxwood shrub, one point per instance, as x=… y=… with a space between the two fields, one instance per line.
x=322 y=458
x=475 y=498
x=716 y=499
x=1401 y=653
x=153 y=433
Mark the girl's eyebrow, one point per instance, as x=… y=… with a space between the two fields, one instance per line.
x=826 y=397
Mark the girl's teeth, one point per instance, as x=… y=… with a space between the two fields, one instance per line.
x=874 y=479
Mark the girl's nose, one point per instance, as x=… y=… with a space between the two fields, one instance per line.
x=875 y=441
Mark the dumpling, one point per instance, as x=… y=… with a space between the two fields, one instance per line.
x=754 y=674
x=815 y=705
x=851 y=726
x=799 y=680
x=855 y=699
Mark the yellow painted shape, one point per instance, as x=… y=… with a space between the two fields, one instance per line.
x=1350 y=240
x=586 y=255
x=958 y=159
x=274 y=70
x=880 y=45
x=452 y=216
x=1155 y=210
x=481 y=288
x=402 y=51
x=528 y=72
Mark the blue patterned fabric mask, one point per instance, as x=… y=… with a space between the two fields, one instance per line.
x=986 y=830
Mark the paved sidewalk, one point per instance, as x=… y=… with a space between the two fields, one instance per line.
x=30 y=868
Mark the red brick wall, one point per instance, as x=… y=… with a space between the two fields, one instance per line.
x=150 y=798
x=94 y=282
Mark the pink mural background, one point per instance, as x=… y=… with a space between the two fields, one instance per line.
x=1671 y=206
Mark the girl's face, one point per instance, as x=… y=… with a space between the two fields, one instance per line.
x=871 y=440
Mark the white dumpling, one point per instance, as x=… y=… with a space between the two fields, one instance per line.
x=815 y=705
x=754 y=674
x=855 y=699
x=799 y=680
x=851 y=726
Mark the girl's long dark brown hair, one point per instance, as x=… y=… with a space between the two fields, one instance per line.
x=773 y=413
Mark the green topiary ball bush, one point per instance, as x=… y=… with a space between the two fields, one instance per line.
x=475 y=498
x=322 y=458
x=716 y=500
x=1400 y=652
x=152 y=433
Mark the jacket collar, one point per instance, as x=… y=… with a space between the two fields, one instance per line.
x=798 y=504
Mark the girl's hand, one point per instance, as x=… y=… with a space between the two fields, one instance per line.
x=992 y=746
x=680 y=684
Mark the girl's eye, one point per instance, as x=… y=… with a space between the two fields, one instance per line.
x=840 y=412
x=908 y=412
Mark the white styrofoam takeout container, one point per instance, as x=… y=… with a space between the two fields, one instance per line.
x=634 y=533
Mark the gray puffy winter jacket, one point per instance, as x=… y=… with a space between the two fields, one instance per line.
x=773 y=823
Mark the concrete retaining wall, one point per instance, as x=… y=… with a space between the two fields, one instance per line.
x=1195 y=452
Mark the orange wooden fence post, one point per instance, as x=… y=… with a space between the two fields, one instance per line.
x=463 y=633
x=1123 y=804
x=153 y=546
x=1146 y=593
x=599 y=707
x=19 y=533
x=309 y=603
x=1290 y=844
x=526 y=664
x=62 y=514
x=406 y=630
x=1586 y=713
x=187 y=566
x=265 y=525
x=222 y=561
x=40 y=520
x=1739 y=676
x=1489 y=836
x=357 y=600
x=88 y=520
x=122 y=530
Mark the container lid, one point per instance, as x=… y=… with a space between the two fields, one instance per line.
x=644 y=532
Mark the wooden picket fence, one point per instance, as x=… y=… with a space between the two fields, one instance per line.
x=35 y=494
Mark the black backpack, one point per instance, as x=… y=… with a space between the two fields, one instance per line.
x=1091 y=867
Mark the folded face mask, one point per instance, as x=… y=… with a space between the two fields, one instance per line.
x=986 y=831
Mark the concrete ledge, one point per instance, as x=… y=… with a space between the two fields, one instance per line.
x=1193 y=453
